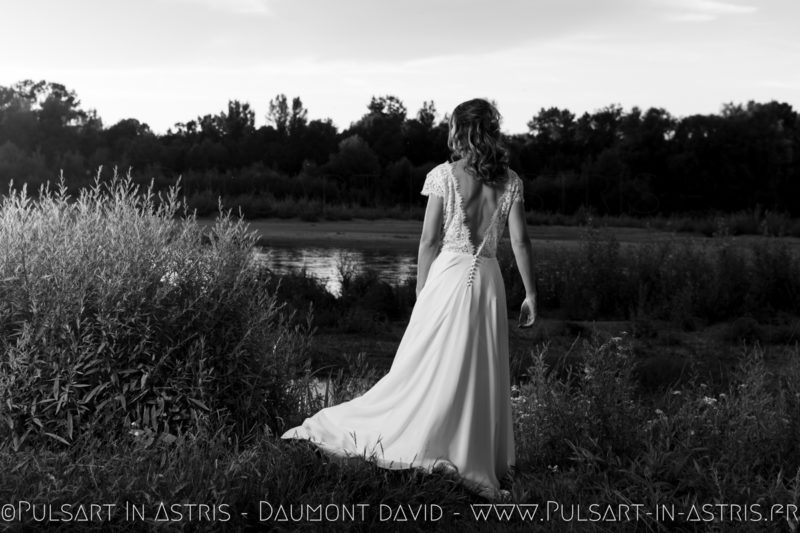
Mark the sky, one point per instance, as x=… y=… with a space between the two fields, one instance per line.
x=169 y=61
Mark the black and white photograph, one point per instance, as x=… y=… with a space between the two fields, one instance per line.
x=314 y=265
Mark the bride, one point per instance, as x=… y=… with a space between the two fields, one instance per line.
x=445 y=403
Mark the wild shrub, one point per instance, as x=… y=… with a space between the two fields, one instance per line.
x=594 y=407
x=775 y=279
x=738 y=445
x=725 y=446
x=731 y=285
x=685 y=282
x=116 y=313
x=595 y=282
x=300 y=293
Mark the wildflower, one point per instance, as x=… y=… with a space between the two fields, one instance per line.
x=171 y=278
x=659 y=412
x=552 y=468
x=709 y=401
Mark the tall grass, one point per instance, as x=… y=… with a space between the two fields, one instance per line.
x=746 y=222
x=593 y=438
x=117 y=312
x=687 y=282
x=587 y=438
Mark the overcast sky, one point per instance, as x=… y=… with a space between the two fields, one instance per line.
x=168 y=61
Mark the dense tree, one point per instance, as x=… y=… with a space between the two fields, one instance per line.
x=610 y=160
x=279 y=114
x=239 y=121
x=318 y=140
x=387 y=106
x=382 y=127
x=426 y=115
x=298 y=117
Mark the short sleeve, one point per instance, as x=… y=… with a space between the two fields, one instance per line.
x=433 y=184
x=518 y=190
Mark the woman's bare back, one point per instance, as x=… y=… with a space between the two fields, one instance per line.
x=480 y=201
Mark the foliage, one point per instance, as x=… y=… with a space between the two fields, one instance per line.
x=587 y=439
x=740 y=164
x=115 y=310
x=680 y=280
x=688 y=446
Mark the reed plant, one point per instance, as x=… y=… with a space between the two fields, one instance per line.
x=117 y=313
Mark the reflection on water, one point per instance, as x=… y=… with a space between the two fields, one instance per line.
x=326 y=263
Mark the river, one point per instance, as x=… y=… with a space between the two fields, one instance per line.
x=326 y=263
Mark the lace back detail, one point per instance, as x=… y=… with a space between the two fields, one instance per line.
x=457 y=235
x=461 y=211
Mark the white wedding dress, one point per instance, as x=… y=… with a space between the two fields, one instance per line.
x=446 y=398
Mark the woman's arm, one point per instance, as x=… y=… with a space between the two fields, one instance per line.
x=523 y=253
x=429 y=240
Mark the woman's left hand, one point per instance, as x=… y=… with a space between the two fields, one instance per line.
x=527 y=312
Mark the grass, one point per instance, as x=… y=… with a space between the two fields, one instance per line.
x=143 y=364
x=587 y=439
x=683 y=281
x=115 y=313
x=756 y=222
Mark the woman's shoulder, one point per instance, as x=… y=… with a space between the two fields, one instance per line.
x=435 y=181
x=512 y=178
x=439 y=172
x=440 y=168
x=514 y=186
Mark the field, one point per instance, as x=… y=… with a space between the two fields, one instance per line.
x=147 y=362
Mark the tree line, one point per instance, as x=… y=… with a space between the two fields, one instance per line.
x=611 y=161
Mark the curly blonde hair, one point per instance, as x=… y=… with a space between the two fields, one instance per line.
x=475 y=135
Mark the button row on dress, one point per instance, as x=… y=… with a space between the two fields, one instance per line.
x=472 y=266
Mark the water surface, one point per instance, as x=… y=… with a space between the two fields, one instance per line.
x=327 y=263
